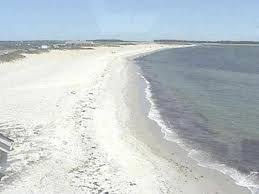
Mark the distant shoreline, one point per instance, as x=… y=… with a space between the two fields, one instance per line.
x=15 y=50
x=165 y=41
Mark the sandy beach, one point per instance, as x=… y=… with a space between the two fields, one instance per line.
x=79 y=121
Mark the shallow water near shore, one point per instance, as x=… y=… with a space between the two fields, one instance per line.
x=209 y=97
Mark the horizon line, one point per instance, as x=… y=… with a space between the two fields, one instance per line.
x=125 y=40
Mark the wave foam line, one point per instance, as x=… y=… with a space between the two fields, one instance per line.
x=239 y=178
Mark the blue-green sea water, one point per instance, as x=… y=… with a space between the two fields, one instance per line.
x=209 y=96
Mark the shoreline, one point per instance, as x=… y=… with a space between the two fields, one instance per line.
x=196 y=156
x=52 y=107
x=179 y=156
x=81 y=125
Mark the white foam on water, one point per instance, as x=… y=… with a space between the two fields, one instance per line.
x=240 y=179
x=154 y=113
x=169 y=134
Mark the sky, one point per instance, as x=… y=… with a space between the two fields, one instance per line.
x=129 y=19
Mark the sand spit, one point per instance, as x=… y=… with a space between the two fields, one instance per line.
x=47 y=106
x=67 y=115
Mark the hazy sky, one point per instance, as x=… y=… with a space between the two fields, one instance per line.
x=129 y=19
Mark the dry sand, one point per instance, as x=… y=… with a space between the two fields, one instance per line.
x=74 y=132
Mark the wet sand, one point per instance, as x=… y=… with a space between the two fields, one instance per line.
x=79 y=125
x=181 y=174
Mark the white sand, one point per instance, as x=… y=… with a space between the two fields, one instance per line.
x=48 y=107
x=66 y=113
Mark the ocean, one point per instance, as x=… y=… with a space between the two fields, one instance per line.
x=206 y=98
